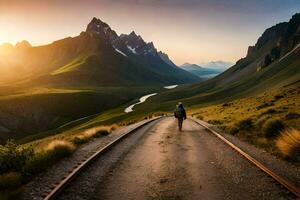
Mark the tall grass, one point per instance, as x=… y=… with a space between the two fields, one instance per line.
x=93 y=133
x=53 y=152
x=289 y=143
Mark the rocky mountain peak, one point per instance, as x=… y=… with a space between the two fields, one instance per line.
x=101 y=29
x=133 y=34
x=23 y=45
x=166 y=58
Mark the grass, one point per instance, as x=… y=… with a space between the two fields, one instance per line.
x=72 y=65
x=92 y=133
x=261 y=127
x=52 y=153
x=40 y=91
x=19 y=164
x=41 y=112
x=289 y=144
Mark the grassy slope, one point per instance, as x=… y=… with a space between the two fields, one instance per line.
x=71 y=66
x=36 y=110
x=211 y=92
x=113 y=117
x=280 y=103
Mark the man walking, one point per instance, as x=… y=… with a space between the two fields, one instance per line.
x=180 y=114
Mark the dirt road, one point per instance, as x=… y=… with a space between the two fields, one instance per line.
x=193 y=164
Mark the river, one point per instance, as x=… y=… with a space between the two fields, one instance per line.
x=144 y=98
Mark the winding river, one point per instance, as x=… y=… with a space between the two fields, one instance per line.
x=144 y=98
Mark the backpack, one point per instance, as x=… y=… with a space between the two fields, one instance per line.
x=179 y=112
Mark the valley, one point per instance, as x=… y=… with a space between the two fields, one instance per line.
x=109 y=97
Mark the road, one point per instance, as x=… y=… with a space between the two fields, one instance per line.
x=166 y=164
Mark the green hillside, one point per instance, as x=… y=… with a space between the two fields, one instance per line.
x=41 y=109
x=251 y=75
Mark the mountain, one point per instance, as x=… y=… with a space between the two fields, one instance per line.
x=43 y=87
x=166 y=58
x=200 y=71
x=218 y=65
x=273 y=62
x=97 y=57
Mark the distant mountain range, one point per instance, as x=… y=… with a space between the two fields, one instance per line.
x=97 y=57
x=207 y=70
x=202 y=72
x=218 y=65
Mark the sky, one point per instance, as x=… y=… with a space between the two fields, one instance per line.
x=194 y=31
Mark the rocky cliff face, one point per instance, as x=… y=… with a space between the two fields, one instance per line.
x=276 y=42
x=280 y=39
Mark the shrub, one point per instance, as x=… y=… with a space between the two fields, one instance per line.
x=227 y=104
x=59 y=145
x=102 y=132
x=270 y=111
x=13 y=157
x=55 y=151
x=292 y=115
x=272 y=127
x=245 y=124
x=200 y=117
x=215 y=122
x=10 y=180
x=12 y=194
x=89 y=134
x=79 y=140
x=264 y=105
x=289 y=143
x=276 y=97
x=233 y=130
x=259 y=123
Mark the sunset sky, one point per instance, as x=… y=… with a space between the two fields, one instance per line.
x=194 y=31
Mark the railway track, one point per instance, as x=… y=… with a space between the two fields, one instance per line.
x=59 y=188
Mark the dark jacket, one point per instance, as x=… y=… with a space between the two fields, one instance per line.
x=180 y=112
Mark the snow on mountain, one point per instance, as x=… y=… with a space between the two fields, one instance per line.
x=132 y=49
x=120 y=52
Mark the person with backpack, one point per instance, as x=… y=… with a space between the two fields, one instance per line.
x=180 y=114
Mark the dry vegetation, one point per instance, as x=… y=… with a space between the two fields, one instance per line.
x=289 y=144
x=263 y=120
x=18 y=163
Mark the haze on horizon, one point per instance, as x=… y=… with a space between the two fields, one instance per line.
x=194 y=31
